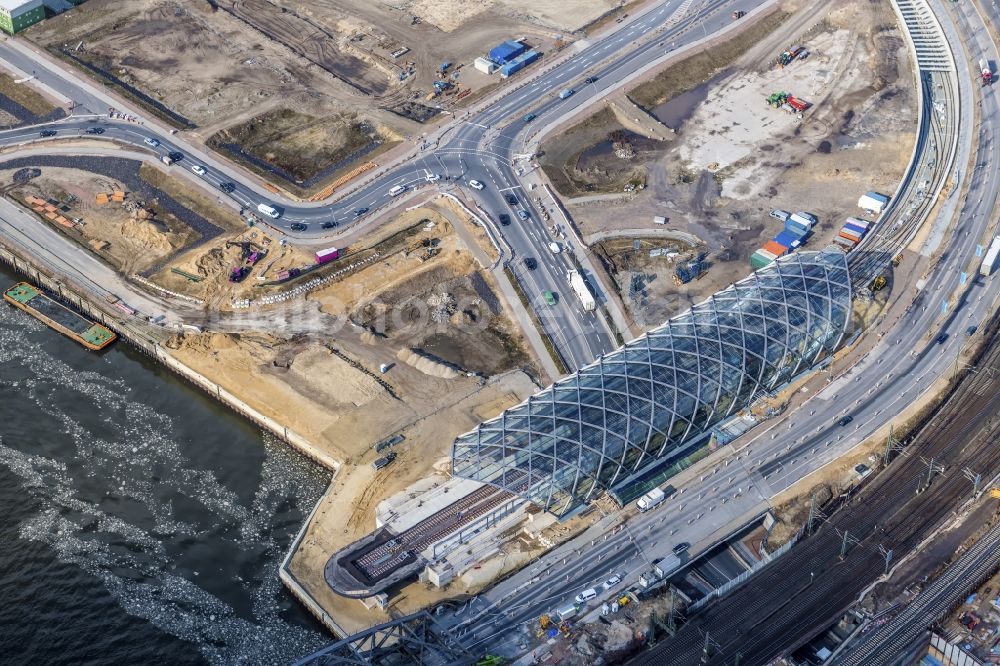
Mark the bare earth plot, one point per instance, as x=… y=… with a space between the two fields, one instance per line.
x=735 y=158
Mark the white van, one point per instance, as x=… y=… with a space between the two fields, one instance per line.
x=586 y=595
x=396 y=190
x=268 y=210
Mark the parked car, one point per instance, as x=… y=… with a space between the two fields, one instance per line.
x=611 y=582
x=779 y=214
x=475 y=184
x=47 y=133
x=151 y=142
x=681 y=547
x=586 y=596
x=298 y=226
x=384 y=461
x=530 y=263
x=504 y=219
x=198 y=169
x=511 y=199
x=227 y=187
x=556 y=248
x=359 y=212
x=95 y=130
x=523 y=214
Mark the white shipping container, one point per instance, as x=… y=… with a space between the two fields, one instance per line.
x=805 y=219
x=659 y=220
x=485 y=65
x=990 y=260
x=873 y=201
x=858 y=223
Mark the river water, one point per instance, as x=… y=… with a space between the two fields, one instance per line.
x=140 y=522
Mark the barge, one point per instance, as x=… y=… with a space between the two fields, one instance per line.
x=88 y=333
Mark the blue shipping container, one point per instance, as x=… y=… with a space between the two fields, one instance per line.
x=854 y=227
x=788 y=239
x=519 y=64
x=794 y=227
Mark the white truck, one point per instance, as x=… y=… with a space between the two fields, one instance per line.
x=582 y=290
x=651 y=500
x=990 y=260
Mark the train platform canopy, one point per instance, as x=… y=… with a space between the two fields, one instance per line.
x=873 y=201
x=506 y=52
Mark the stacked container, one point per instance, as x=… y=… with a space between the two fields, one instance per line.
x=851 y=233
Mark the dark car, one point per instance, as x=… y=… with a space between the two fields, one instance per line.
x=530 y=263
x=971 y=330
x=681 y=547
x=329 y=225
x=384 y=461
x=298 y=226
x=359 y=212
x=590 y=79
x=844 y=420
x=176 y=156
x=504 y=219
x=227 y=187
x=941 y=339
x=95 y=130
x=47 y=133
x=511 y=199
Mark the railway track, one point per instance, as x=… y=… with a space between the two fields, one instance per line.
x=782 y=607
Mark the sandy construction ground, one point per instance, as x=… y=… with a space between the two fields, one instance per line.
x=734 y=158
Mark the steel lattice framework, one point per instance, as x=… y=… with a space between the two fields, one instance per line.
x=654 y=397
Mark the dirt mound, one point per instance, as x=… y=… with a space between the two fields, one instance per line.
x=203 y=342
x=211 y=263
x=427 y=365
x=142 y=230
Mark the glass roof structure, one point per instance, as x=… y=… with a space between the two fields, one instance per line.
x=656 y=397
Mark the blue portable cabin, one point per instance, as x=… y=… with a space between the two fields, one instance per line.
x=507 y=52
x=788 y=239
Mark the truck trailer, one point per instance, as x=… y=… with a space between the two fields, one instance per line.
x=990 y=260
x=582 y=290
x=651 y=500
x=329 y=254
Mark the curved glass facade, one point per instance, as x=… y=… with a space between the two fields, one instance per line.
x=653 y=397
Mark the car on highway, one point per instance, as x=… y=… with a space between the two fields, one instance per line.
x=504 y=219
x=298 y=226
x=681 y=547
x=476 y=185
x=95 y=130
x=151 y=142
x=586 y=595
x=528 y=118
x=523 y=214
x=511 y=199
x=530 y=263
x=227 y=187
x=844 y=420
x=941 y=339
x=47 y=133
x=269 y=210
x=550 y=298
x=590 y=79
x=611 y=582
x=396 y=190
x=971 y=330
x=556 y=248
x=433 y=178
x=329 y=224
x=198 y=169
x=359 y=212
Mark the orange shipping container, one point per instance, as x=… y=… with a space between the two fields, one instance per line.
x=852 y=241
x=777 y=249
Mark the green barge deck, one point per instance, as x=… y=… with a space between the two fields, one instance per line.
x=29 y=298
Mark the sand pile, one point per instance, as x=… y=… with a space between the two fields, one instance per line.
x=427 y=365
